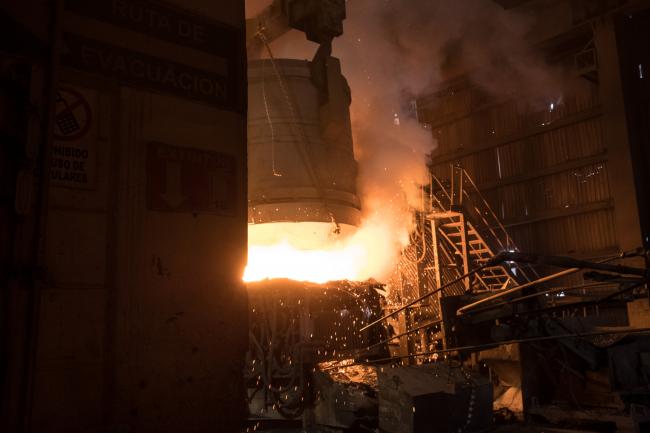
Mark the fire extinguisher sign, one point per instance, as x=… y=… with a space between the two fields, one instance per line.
x=185 y=179
x=73 y=151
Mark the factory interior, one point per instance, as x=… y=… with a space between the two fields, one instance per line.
x=324 y=216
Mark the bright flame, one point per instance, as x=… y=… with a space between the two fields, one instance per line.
x=310 y=251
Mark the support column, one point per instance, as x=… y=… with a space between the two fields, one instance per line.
x=465 y=250
x=615 y=137
x=438 y=277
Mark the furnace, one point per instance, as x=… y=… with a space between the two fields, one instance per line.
x=303 y=208
x=300 y=156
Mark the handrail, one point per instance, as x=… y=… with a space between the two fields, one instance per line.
x=551 y=260
x=509 y=243
x=431 y=293
x=487 y=224
x=490 y=225
x=442 y=188
x=440 y=205
x=466 y=175
x=496 y=233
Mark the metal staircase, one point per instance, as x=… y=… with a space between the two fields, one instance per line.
x=462 y=247
x=456 y=233
x=467 y=233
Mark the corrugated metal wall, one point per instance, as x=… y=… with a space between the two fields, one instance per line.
x=543 y=169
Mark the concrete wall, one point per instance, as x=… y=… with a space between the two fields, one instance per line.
x=142 y=322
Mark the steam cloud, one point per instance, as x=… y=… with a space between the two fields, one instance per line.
x=393 y=51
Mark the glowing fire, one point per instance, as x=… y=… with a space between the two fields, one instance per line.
x=310 y=251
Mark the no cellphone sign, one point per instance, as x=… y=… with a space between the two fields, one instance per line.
x=73 y=152
x=73 y=115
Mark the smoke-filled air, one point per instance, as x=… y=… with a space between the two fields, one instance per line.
x=392 y=52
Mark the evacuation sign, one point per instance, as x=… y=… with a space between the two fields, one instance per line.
x=184 y=179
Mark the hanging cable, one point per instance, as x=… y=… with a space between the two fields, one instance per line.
x=302 y=136
x=269 y=121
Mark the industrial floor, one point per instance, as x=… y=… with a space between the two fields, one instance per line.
x=503 y=429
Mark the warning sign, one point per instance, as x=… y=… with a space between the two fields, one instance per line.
x=73 y=151
x=140 y=69
x=190 y=180
x=73 y=115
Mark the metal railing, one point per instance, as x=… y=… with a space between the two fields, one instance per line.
x=460 y=193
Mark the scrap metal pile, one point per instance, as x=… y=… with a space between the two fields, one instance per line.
x=296 y=325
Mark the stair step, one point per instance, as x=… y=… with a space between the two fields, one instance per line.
x=481 y=251
x=501 y=275
x=495 y=282
x=470 y=234
x=495 y=268
x=443 y=215
x=495 y=277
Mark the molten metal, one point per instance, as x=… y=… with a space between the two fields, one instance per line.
x=310 y=251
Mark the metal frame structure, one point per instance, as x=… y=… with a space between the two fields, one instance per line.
x=460 y=234
x=473 y=257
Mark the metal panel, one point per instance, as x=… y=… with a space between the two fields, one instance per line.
x=461 y=127
x=299 y=171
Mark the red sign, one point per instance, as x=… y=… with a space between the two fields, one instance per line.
x=184 y=179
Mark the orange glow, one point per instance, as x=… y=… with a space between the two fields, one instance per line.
x=310 y=251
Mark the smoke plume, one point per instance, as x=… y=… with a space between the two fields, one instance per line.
x=393 y=51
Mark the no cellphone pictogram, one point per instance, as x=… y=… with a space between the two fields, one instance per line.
x=73 y=115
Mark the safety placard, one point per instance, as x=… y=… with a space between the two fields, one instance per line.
x=163 y=21
x=185 y=179
x=141 y=69
x=73 y=155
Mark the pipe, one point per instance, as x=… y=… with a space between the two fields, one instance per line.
x=403 y=334
x=463 y=310
x=534 y=295
x=568 y=262
x=494 y=260
x=38 y=283
x=480 y=347
x=549 y=260
x=596 y=302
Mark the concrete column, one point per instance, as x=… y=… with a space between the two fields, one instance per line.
x=615 y=137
